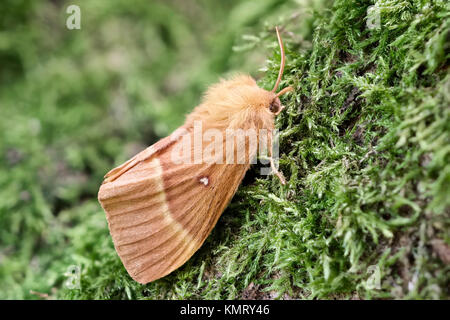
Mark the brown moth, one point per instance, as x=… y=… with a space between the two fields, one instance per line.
x=160 y=211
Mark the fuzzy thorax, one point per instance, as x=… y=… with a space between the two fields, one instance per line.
x=236 y=103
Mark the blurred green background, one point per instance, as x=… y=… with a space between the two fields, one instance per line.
x=74 y=103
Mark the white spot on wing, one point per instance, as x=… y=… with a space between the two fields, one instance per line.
x=204 y=180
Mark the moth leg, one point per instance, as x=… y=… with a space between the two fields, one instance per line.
x=278 y=173
x=279 y=111
x=272 y=162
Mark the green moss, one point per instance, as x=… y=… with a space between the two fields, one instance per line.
x=364 y=145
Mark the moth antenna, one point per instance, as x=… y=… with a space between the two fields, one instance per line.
x=287 y=89
x=280 y=73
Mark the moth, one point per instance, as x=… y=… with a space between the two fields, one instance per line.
x=160 y=210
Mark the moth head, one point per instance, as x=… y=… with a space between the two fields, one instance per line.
x=275 y=106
